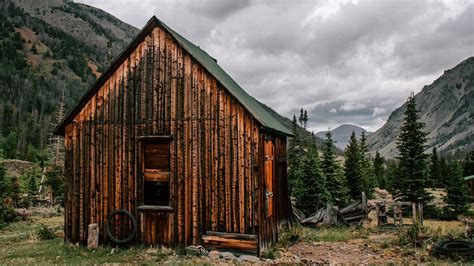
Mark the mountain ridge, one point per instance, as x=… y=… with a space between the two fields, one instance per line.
x=51 y=52
x=446 y=109
x=342 y=133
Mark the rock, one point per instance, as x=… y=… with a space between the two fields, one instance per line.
x=23 y=213
x=93 y=236
x=228 y=256
x=215 y=255
x=248 y=259
x=196 y=251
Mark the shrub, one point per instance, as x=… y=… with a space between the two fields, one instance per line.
x=7 y=215
x=412 y=235
x=45 y=233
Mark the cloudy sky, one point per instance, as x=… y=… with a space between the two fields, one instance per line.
x=343 y=61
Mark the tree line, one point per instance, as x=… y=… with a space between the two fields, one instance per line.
x=320 y=177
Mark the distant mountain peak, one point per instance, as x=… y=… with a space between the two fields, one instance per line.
x=446 y=107
x=342 y=133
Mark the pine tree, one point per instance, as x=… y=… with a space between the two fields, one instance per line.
x=379 y=171
x=335 y=180
x=15 y=192
x=457 y=197
x=3 y=185
x=352 y=168
x=294 y=152
x=366 y=168
x=32 y=188
x=435 y=175
x=55 y=182
x=34 y=50
x=468 y=164
x=392 y=177
x=411 y=146
x=311 y=193
x=444 y=172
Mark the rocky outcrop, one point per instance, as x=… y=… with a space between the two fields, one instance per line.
x=446 y=107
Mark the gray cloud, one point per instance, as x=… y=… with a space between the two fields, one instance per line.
x=217 y=9
x=345 y=61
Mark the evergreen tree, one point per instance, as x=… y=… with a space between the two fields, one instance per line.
x=34 y=50
x=411 y=146
x=444 y=172
x=3 y=185
x=311 y=193
x=392 y=177
x=335 y=180
x=435 y=175
x=294 y=152
x=32 y=188
x=10 y=145
x=366 y=168
x=379 y=171
x=468 y=164
x=352 y=168
x=56 y=182
x=457 y=197
x=15 y=192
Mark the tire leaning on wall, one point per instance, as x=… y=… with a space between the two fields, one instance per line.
x=111 y=236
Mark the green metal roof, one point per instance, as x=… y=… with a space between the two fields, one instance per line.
x=466 y=178
x=268 y=121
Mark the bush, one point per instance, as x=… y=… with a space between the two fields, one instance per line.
x=45 y=233
x=412 y=235
x=7 y=215
x=433 y=212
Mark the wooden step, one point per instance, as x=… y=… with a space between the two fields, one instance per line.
x=230 y=241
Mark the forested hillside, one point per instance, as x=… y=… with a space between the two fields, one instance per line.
x=50 y=52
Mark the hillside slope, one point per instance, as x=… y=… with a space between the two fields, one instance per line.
x=49 y=49
x=446 y=107
x=342 y=133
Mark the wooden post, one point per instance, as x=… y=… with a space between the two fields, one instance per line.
x=378 y=214
x=420 y=213
x=413 y=207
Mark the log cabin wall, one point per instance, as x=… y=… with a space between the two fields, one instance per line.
x=216 y=153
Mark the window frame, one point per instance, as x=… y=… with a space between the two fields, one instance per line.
x=155 y=175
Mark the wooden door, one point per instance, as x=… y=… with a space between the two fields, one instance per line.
x=268 y=175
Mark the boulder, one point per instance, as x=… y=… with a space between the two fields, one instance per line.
x=248 y=259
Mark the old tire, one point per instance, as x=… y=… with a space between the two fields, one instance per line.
x=454 y=248
x=133 y=221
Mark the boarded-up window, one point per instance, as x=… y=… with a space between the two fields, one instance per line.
x=156 y=171
x=157 y=156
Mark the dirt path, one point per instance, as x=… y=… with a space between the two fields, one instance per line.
x=340 y=253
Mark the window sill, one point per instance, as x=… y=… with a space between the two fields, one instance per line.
x=155 y=208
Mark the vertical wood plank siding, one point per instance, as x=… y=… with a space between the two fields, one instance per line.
x=216 y=164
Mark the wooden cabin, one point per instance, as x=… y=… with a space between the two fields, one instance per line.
x=167 y=135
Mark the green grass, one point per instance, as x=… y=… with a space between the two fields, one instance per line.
x=20 y=244
x=55 y=251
